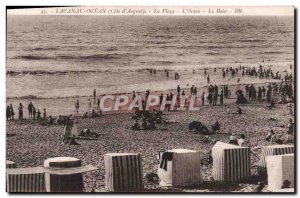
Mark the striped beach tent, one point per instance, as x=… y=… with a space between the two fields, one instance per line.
x=10 y=164
x=25 y=180
x=272 y=150
x=65 y=174
x=180 y=167
x=230 y=162
x=123 y=172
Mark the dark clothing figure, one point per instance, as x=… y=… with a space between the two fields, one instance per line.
x=7 y=113
x=45 y=115
x=33 y=112
x=240 y=98
x=12 y=113
x=38 y=114
x=178 y=90
x=30 y=106
x=215 y=100
x=20 y=111
x=202 y=99
x=166 y=156
x=221 y=97
x=94 y=93
x=98 y=102
x=136 y=126
x=72 y=141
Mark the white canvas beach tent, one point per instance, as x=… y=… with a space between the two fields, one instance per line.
x=280 y=168
x=182 y=169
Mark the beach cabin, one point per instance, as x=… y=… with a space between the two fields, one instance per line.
x=180 y=167
x=280 y=170
x=25 y=180
x=272 y=150
x=230 y=163
x=123 y=172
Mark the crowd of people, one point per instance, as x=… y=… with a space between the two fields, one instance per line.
x=32 y=112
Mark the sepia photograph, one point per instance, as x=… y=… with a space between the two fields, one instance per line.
x=150 y=99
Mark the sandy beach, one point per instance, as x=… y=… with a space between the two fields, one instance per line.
x=42 y=142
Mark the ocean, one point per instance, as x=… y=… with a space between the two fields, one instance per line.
x=55 y=60
x=69 y=56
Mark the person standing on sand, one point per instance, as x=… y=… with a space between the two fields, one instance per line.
x=263 y=91
x=89 y=104
x=98 y=103
x=208 y=79
x=192 y=90
x=205 y=71
x=38 y=114
x=202 y=99
x=259 y=94
x=33 y=112
x=12 y=113
x=160 y=98
x=221 y=97
x=216 y=98
x=20 y=111
x=7 y=113
x=178 y=90
x=77 y=106
x=45 y=114
x=195 y=91
x=94 y=94
x=30 y=109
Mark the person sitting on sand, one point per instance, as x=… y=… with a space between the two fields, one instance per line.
x=85 y=132
x=68 y=126
x=290 y=127
x=233 y=140
x=272 y=104
x=215 y=127
x=152 y=126
x=58 y=120
x=136 y=126
x=239 y=110
x=94 y=114
x=241 y=141
x=85 y=115
x=272 y=137
x=38 y=114
x=289 y=139
x=72 y=141
x=50 y=120
x=145 y=125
